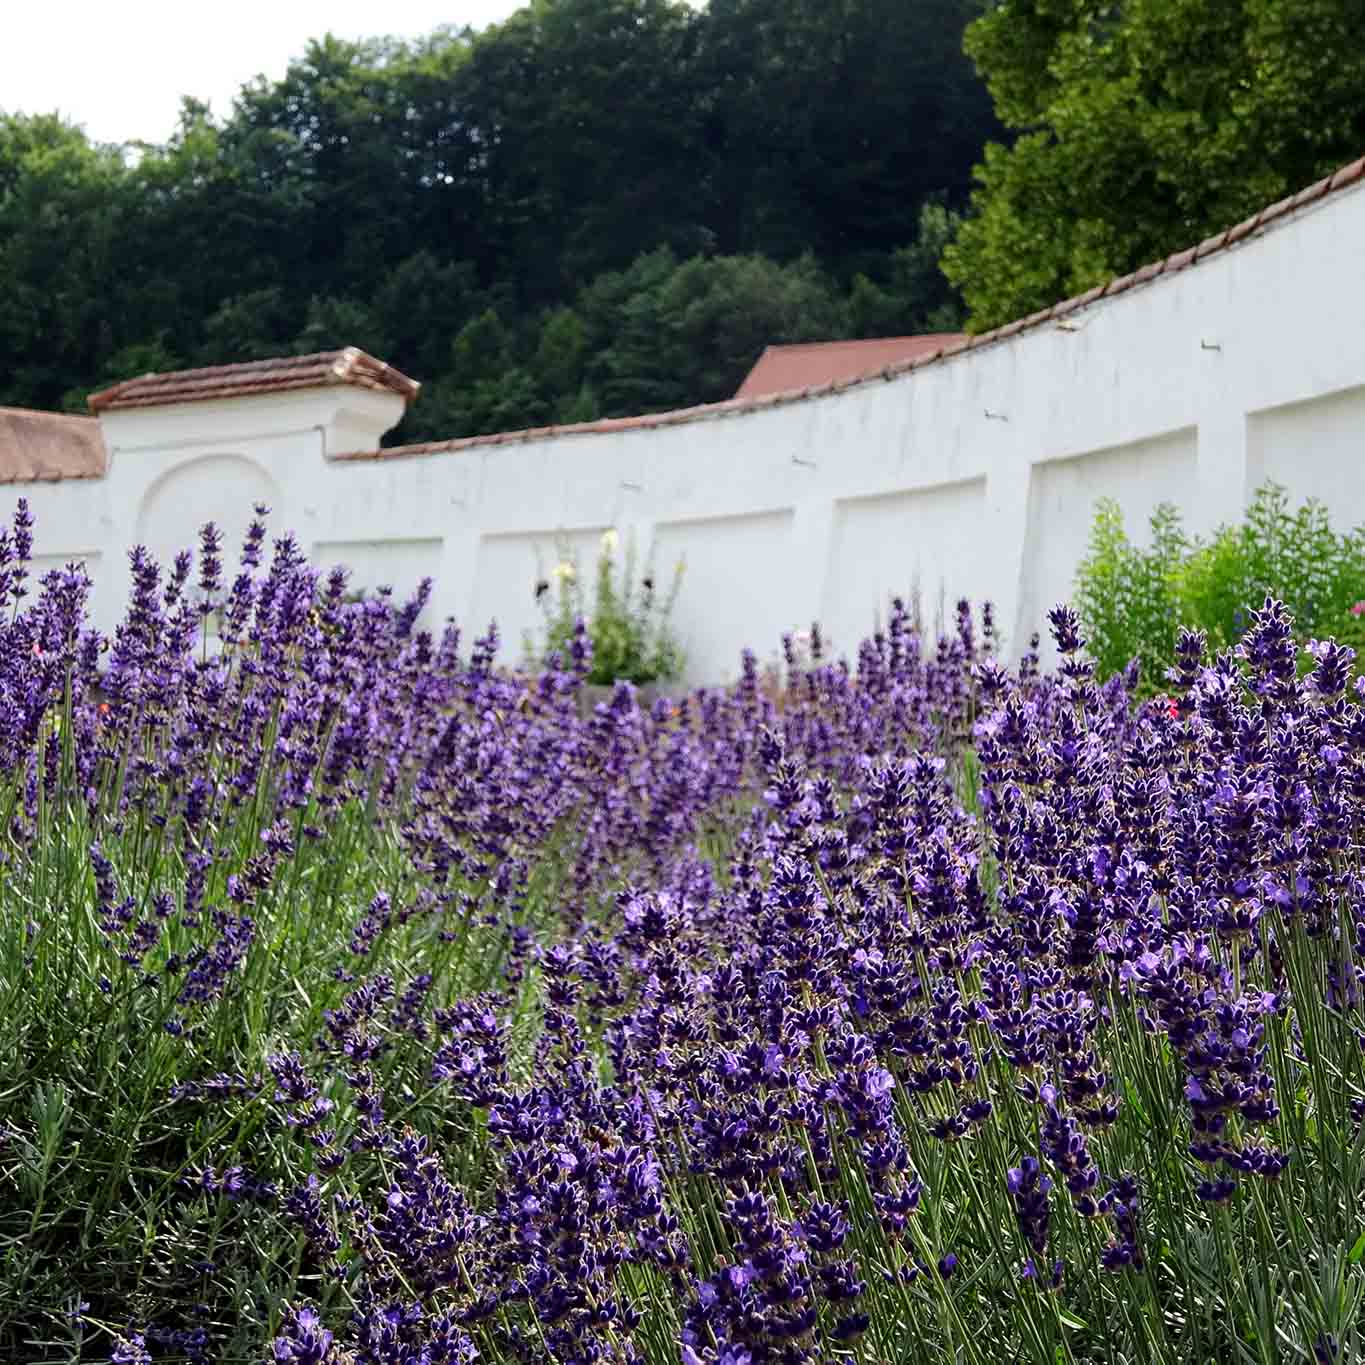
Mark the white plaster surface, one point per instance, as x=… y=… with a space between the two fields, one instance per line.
x=919 y=544
x=975 y=476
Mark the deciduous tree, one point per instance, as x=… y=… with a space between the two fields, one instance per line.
x=1144 y=126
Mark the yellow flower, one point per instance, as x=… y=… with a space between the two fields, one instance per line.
x=610 y=540
x=563 y=572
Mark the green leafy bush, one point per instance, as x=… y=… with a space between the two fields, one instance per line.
x=628 y=621
x=1133 y=599
x=1126 y=594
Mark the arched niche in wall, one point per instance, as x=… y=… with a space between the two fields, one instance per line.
x=223 y=489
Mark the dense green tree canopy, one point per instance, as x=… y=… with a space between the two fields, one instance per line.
x=1144 y=126
x=596 y=207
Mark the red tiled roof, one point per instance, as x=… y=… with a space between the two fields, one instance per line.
x=39 y=447
x=1180 y=260
x=349 y=366
x=783 y=368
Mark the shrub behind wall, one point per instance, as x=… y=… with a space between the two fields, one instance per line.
x=1134 y=598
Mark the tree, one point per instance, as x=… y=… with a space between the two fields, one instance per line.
x=1144 y=127
x=61 y=205
x=251 y=326
x=198 y=231
x=420 y=304
x=560 y=354
x=829 y=122
x=335 y=322
x=688 y=332
x=626 y=200
x=142 y=357
x=911 y=293
x=482 y=350
x=584 y=114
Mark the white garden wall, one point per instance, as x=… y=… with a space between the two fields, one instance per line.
x=975 y=475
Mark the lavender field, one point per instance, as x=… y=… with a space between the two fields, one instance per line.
x=366 y=1002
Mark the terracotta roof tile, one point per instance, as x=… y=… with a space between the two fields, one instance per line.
x=1120 y=285
x=38 y=447
x=1211 y=244
x=1273 y=211
x=780 y=369
x=1313 y=192
x=277 y=375
x=1347 y=176
x=1178 y=260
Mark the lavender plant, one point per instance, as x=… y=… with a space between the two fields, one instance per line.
x=364 y=1002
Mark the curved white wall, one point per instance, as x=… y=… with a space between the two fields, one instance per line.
x=974 y=476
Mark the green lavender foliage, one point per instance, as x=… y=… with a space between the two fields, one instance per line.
x=95 y=1151
x=1134 y=598
x=97 y=1160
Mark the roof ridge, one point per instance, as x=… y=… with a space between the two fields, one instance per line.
x=48 y=447
x=48 y=415
x=857 y=341
x=1342 y=178
x=345 y=365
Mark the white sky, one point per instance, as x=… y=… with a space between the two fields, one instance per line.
x=120 y=66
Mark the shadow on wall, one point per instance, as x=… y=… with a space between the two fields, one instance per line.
x=229 y=486
x=1062 y=497
x=926 y=537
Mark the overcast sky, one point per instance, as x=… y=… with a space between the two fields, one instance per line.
x=120 y=66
